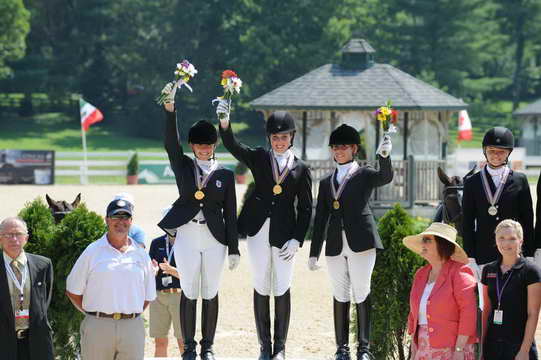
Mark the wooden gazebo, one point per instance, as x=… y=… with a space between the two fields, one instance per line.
x=349 y=92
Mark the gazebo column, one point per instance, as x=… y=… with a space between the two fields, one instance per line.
x=406 y=135
x=304 y=135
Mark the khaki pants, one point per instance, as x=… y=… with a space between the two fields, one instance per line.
x=108 y=339
x=164 y=311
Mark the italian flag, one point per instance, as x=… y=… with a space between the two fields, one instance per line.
x=89 y=114
x=464 y=126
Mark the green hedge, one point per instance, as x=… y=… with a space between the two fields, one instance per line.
x=62 y=243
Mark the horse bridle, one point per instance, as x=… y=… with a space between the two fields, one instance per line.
x=459 y=189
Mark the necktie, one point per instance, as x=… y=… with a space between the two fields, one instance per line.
x=16 y=271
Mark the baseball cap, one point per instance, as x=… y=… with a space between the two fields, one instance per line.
x=119 y=206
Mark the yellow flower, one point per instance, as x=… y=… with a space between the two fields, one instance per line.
x=385 y=110
x=223 y=82
x=382 y=117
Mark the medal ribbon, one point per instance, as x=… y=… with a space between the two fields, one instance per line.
x=352 y=170
x=279 y=177
x=499 y=292
x=203 y=183
x=18 y=285
x=494 y=198
x=168 y=251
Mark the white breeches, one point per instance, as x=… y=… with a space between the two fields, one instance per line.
x=351 y=272
x=269 y=271
x=200 y=260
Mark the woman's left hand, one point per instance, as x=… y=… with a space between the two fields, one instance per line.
x=522 y=355
x=458 y=355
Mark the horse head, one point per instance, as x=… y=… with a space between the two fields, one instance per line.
x=61 y=208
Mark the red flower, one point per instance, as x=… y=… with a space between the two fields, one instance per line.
x=228 y=74
x=394 y=117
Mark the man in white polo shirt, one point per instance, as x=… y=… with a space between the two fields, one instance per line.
x=113 y=282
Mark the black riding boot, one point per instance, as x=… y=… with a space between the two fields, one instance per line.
x=208 y=327
x=188 y=315
x=341 y=329
x=262 y=324
x=282 y=311
x=363 y=330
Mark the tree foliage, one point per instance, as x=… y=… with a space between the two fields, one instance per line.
x=14 y=26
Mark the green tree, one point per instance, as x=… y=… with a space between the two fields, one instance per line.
x=14 y=26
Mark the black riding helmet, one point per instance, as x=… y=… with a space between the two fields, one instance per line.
x=499 y=137
x=203 y=132
x=344 y=135
x=281 y=122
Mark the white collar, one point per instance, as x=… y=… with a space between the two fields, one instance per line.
x=21 y=259
x=283 y=155
x=204 y=163
x=344 y=167
x=496 y=172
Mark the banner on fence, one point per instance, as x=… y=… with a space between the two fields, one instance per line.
x=161 y=173
x=27 y=167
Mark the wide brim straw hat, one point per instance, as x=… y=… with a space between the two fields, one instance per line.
x=444 y=231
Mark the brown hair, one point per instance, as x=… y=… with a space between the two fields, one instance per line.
x=445 y=248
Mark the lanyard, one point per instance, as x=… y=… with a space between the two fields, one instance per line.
x=493 y=198
x=277 y=175
x=168 y=252
x=18 y=285
x=499 y=292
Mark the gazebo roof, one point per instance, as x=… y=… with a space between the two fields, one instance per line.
x=531 y=109
x=366 y=87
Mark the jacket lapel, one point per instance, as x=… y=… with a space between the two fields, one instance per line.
x=5 y=297
x=442 y=278
x=33 y=272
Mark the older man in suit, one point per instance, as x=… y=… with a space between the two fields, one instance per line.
x=26 y=283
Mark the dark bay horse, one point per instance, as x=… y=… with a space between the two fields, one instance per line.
x=61 y=208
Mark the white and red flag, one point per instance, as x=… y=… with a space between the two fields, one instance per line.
x=89 y=114
x=464 y=126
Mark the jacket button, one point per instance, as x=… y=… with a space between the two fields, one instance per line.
x=431 y=330
x=272 y=203
x=200 y=204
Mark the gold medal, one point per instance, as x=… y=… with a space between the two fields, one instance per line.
x=336 y=204
x=277 y=189
x=199 y=195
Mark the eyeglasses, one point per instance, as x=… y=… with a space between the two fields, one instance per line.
x=426 y=240
x=13 y=235
x=120 y=217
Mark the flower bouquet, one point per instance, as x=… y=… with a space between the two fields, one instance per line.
x=231 y=83
x=183 y=73
x=388 y=117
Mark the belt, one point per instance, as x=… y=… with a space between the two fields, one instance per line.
x=21 y=334
x=199 y=221
x=171 y=291
x=114 y=316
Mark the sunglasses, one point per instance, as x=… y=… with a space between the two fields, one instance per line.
x=120 y=217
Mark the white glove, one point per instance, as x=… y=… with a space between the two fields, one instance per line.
x=234 y=261
x=312 y=264
x=475 y=268
x=168 y=91
x=289 y=249
x=222 y=111
x=385 y=148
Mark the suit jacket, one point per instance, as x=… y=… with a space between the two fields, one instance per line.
x=478 y=226
x=538 y=215
x=285 y=222
x=40 y=270
x=354 y=215
x=451 y=307
x=219 y=204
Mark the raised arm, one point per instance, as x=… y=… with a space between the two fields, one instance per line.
x=240 y=151
x=385 y=173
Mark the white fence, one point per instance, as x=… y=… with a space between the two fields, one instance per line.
x=72 y=163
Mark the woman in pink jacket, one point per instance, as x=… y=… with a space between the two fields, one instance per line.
x=442 y=318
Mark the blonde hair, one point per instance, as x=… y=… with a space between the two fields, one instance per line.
x=510 y=224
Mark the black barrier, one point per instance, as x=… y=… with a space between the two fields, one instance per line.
x=27 y=167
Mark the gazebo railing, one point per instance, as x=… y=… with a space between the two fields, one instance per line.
x=414 y=181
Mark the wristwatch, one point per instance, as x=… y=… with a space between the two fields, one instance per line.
x=458 y=349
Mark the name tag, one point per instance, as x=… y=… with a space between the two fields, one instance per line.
x=167 y=280
x=491 y=275
x=22 y=314
x=498 y=317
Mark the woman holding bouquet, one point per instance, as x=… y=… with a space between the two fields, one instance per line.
x=344 y=219
x=275 y=217
x=205 y=216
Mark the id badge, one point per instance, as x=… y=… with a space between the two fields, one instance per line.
x=22 y=314
x=498 y=317
x=167 y=280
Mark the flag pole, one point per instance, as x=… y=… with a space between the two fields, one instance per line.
x=84 y=176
